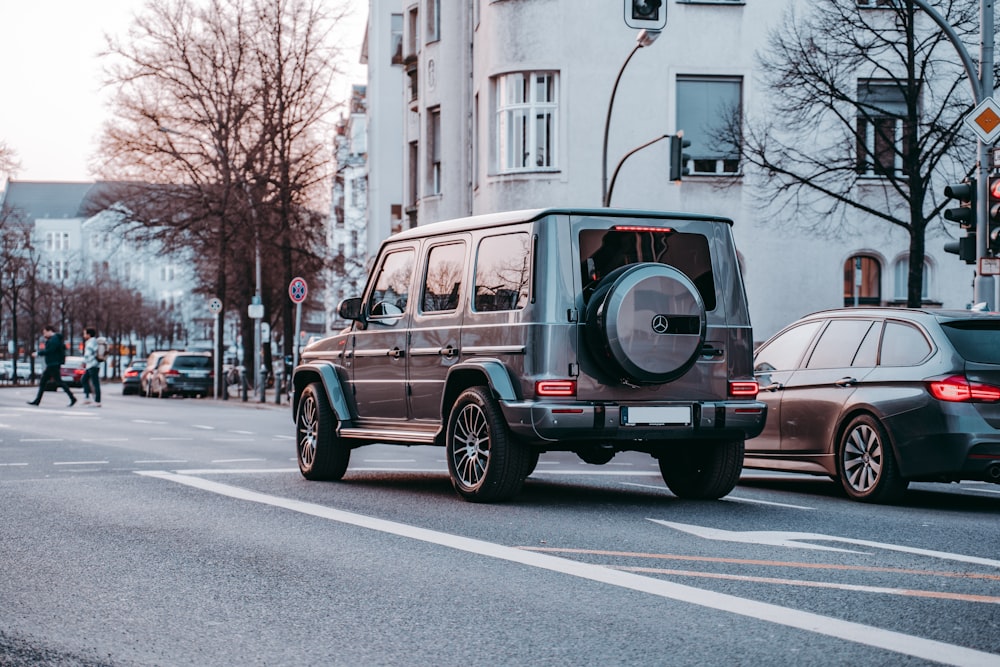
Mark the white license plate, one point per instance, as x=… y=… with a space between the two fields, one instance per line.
x=656 y=416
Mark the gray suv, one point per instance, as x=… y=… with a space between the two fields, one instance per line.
x=503 y=336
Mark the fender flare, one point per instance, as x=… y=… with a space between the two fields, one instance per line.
x=496 y=373
x=329 y=375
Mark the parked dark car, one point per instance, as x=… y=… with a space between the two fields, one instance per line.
x=879 y=397
x=182 y=374
x=131 y=376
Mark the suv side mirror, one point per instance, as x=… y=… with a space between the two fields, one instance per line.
x=350 y=309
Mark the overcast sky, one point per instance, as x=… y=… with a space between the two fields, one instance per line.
x=52 y=105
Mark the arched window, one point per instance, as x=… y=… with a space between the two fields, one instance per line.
x=901 y=272
x=862 y=281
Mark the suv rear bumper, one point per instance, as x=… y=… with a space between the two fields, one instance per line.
x=577 y=422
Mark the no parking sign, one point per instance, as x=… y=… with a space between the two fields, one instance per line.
x=297 y=290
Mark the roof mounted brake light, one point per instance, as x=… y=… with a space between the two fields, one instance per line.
x=640 y=228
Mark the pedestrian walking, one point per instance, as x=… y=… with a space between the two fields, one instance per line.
x=92 y=368
x=55 y=355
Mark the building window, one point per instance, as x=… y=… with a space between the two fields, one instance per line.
x=706 y=106
x=434 y=138
x=433 y=20
x=527 y=103
x=396 y=39
x=901 y=275
x=882 y=130
x=167 y=273
x=878 y=3
x=56 y=241
x=413 y=33
x=58 y=269
x=414 y=193
x=862 y=281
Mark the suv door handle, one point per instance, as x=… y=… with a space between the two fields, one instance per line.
x=774 y=386
x=709 y=350
x=448 y=351
x=846 y=382
x=395 y=353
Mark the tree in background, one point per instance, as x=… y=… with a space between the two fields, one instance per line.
x=866 y=107
x=219 y=140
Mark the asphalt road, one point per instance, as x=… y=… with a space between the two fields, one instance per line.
x=179 y=532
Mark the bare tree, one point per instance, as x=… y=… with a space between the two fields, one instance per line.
x=218 y=136
x=866 y=109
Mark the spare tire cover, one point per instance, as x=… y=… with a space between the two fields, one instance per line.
x=646 y=323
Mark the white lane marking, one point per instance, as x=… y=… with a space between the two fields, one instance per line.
x=104 y=440
x=146 y=421
x=607 y=473
x=236 y=460
x=79 y=463
x=171 y=438
x=389 y=460
x=232 y=440
x=919 y=647
x=791 y=539
x=242 y=432
x=6 y=465
x=206 y=428
x=728 y=498
x=234 y=471
x=42 y=439
x=283 y=437
x=148 y=461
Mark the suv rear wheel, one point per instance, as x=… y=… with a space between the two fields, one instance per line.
x=321 y=454
x=703 y=470
x=485 y=461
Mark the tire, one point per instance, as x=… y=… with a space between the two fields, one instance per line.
x=321 y=454
x=703 y=470
x=486 y=463
x=866 y=466
x=646 y=323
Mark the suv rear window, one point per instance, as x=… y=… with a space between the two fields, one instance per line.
x=604 y=250
x=974 y=340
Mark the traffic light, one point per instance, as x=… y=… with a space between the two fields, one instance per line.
x=965 y=193
x=993 y=212
x=964 y=215
x=678 y=158
x=645 y=14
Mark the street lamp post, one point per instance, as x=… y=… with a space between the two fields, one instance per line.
x=644 y=38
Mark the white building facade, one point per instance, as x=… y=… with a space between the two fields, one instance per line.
x=504 y=104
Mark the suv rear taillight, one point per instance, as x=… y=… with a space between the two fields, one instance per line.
x=555 y=388
x=743 y=388
x=958 y=389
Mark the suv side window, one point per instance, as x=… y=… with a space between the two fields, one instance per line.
x=503 y=272
x=391 y=289
x=443 y=281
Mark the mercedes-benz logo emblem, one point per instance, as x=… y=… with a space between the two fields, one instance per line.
x=660 y=324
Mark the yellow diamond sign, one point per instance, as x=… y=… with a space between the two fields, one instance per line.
x=985 y=120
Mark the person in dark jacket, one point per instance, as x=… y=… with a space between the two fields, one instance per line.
x=55 y=355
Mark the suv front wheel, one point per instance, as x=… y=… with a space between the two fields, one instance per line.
x=485 y=461
x=321 y=454
x=703 y=470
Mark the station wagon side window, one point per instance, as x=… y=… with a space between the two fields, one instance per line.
x=903 y=345
x=503 y=272
x=443 y=278
x=784 y=352
x=391 y=289
x=838 y=345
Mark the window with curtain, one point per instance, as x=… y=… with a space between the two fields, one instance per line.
x=527 y=104
x=863 y=277
x=706 y=105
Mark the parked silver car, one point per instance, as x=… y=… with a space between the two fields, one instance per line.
x=879 y=397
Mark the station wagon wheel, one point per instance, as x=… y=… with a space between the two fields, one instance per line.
x=865 y=463
x=322 y=455
x=702 y=470
x=485 y=461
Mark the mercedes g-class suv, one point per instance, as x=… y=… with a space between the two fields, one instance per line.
x=503 y=336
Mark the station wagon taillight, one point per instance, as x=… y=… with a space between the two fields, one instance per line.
x=555 y=388
x=958 y=389
x=743 y=388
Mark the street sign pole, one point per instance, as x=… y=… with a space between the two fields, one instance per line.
x=297 y=291
x=984 y=287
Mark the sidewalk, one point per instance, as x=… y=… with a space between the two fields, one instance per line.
x=111 y=396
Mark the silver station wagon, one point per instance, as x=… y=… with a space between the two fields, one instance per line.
x=503 y=336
